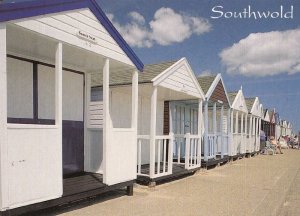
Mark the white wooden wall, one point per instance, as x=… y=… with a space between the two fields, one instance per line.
x=64 y=27
x=180 y=81
x=35 y=165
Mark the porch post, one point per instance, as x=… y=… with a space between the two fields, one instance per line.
x=222 y=133
x=206 y=144
x=236 y=130
x=215 y=127
x=242 y=133
x=135 y=98
x=153 y=130
x=259 y=127
x=106 y=116
x=200 y=128
x=237 y=122
x=246 y=130
x=250 y=130
x=58 y=100
x=3 y=119
x=229 y=130
x=58 y=85
x=200 y=118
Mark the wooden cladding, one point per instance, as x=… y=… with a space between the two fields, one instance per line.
x=166 y=118
x=219 y=94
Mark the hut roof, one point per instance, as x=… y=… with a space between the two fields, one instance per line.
x=122 y=77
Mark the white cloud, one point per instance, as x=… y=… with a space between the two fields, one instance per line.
x=206 y=73
x=166 y=27
x=264 y=54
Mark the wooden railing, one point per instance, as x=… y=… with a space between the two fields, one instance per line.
x=192 y=151
x=236 y=143
x=179 y=148
x=163 y=150
x=211 y=146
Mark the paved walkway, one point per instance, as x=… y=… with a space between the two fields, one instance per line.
x=262 y=185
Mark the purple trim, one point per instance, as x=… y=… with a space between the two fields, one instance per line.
x=13 y=11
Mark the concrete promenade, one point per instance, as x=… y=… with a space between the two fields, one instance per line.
x=261 y=185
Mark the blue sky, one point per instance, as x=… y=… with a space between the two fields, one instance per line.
x=266 y=63
x=279 y=89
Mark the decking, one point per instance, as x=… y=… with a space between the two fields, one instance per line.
x=75 y=188
x=178 y=172
x=214 y=161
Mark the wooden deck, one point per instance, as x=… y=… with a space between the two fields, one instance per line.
x=214 y=161
x=75 y=188
x=178 y=172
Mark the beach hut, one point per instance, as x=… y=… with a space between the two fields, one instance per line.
x=272 y=128
x=170 y=107
x=239 y=130
x=277 y=125
x=216 y=120
x=49 y=152
x=265 y=122
x=254 y=124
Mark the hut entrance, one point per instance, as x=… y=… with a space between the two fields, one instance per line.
x=73 y=123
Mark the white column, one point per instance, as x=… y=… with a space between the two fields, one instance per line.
x=229 y=131
x=200 y=118
x=3 y=119
x=237 y=122
x=242 y=133
x=246 y=132
x=215 y=127
x=222 y=133
x=153 y=130
x=88 y=80
x=135 y=98
x=259 y=128
x=200 y=128
x=58 y=85
x=206 y=144
x=106 y=117
x=58 y=101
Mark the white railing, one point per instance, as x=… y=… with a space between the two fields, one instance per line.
x=143 y=142
x=163 y=160
x=218 y=144
x=225 y=144
x=179 y=148
x=192 y=151
x=211 y=146
x=237 y=139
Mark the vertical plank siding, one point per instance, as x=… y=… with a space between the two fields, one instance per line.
x=166 y=129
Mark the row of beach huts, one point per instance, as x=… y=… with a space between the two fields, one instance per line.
x=81 y=115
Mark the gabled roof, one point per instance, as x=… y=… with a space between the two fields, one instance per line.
x=122 y=78
x=161 y=74
x=20 y=10
x=205 y=82
x=237 y=101
x=210 y=83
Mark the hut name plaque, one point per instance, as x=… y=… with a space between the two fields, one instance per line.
x=86 y=36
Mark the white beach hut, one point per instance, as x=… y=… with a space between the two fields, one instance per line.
x=216 y=120
x=254 y=124
x=239 y=129
x=168 y=93
x=49 y=152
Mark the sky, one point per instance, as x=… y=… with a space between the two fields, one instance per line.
x=262 y=55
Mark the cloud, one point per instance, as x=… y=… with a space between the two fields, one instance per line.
x=264 y=54
x=166 y=27
x=206 y=73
